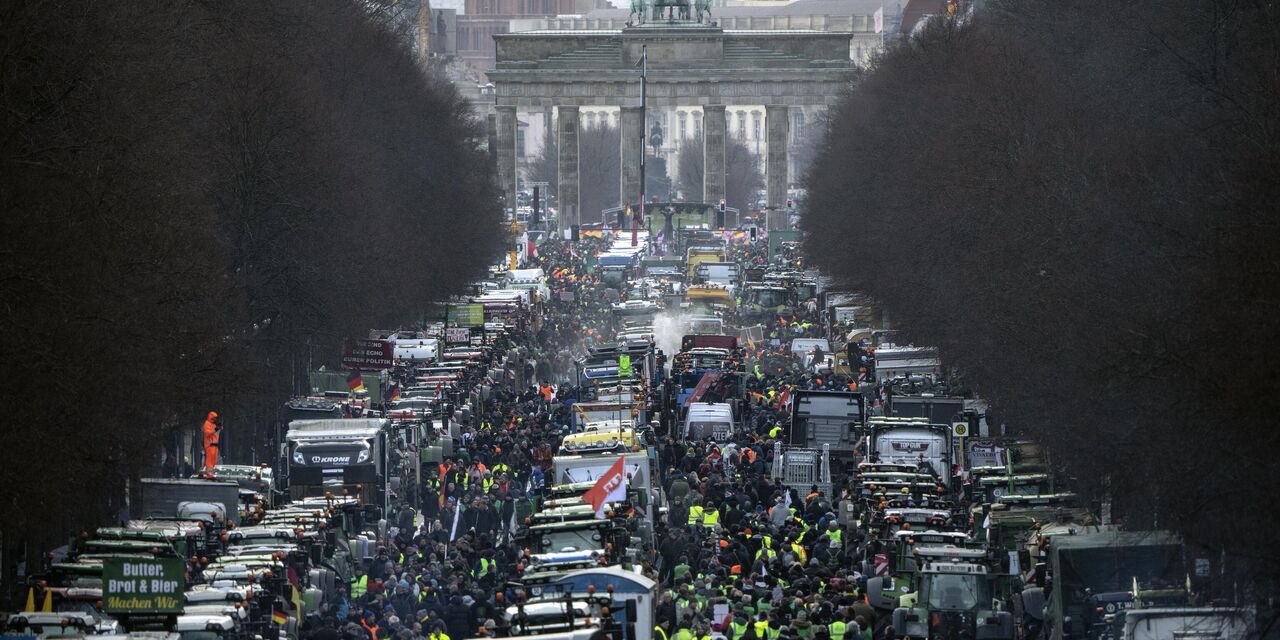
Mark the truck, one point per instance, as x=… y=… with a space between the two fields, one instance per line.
x=708 y=299
x=832 y=418
x=892 y=361
x=697 y=255
x=530 y=279
x=721 y=274
x=1085 y=571
x=928 y=407
x=762 y=301
x=588 y=468
x=195 y=498
x=1191 y=623
x=911 y=441
x=615 y=269
x=333 y=456
x=419 y=350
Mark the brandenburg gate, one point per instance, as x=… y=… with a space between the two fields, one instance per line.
x=691 y=63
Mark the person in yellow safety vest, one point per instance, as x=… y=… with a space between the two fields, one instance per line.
x=710 y=516
x=359 y=584
x=766 y=547
x=835 y=534
x=761 y=627
x=685 y=632
x=801 y=554
x=775 y=629
x=695 y=515
x=837 y=628
x=437 y=632
x=483 y=568
x=660 y=631
x=487 y=482
x=738 y=627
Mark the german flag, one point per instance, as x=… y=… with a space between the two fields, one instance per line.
x=278 y=616
x=393 y=392
x=354 y=382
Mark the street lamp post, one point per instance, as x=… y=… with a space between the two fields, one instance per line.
x=644 y=80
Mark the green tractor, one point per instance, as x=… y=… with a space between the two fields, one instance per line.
x=953 y=598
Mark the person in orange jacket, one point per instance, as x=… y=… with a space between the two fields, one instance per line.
x=212 y=426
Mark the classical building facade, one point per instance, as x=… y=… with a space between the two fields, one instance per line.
x=759 y=83
x=680 y=126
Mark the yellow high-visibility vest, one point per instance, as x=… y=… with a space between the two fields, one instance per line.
x=710 y=518
x=695 y=514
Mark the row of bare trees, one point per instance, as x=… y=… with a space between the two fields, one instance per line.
x=202 y=200
x=1078 y=202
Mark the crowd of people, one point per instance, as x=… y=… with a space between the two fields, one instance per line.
x=736 y=553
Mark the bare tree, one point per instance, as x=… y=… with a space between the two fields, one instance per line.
x=1075 y=201
x=743 y=178
x=199 y=200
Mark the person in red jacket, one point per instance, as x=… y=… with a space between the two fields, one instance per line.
x=212 y=426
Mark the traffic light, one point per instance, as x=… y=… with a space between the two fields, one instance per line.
x=535 y=218
x=722 y=206
x=753 y=235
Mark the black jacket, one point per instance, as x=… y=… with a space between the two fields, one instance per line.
x=457 y=617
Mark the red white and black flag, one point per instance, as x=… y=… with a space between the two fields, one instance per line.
x=611 y=487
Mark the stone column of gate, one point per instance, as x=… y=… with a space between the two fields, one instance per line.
x=713 y=161
x=568 y=188
x=777 y=121
x=491 y=131
x=505 y=122
x=632 y=130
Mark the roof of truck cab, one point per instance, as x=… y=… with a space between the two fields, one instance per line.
x=714 y=409
x=1084 y=538
x=335 y=429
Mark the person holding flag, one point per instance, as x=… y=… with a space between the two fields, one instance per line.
x=611 y=487
x=355 y=382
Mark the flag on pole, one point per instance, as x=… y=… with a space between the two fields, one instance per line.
x=878 y=18
x=299 y=609
x=611 y=487
x=354 y=382
x=457 y=513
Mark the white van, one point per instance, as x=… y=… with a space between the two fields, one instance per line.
x=712 y=420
